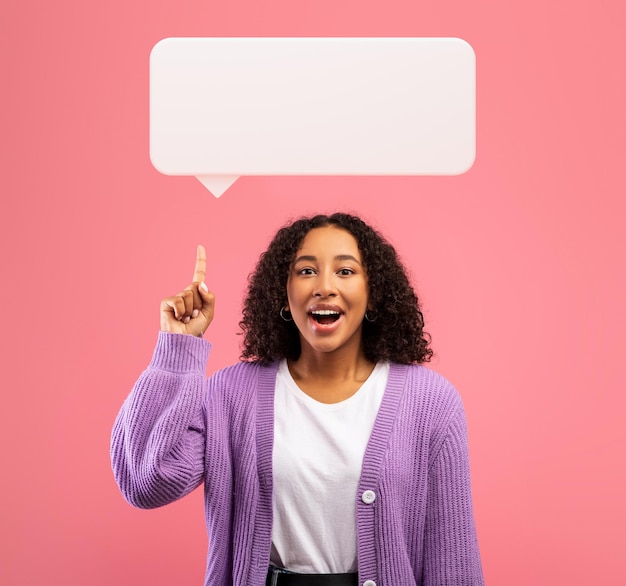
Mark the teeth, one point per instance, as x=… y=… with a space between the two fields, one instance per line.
x=325 y=312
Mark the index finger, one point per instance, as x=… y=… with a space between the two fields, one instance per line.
x=199 y=273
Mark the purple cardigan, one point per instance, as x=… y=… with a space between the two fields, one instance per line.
x=177 y=430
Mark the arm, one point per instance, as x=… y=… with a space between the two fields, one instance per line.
x=157 y=445
x=451 y=549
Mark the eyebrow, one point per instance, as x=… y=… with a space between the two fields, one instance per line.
x=338 y=257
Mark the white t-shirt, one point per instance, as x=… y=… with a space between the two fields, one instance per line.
x=317 y=458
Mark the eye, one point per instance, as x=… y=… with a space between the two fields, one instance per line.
x=306 y=271
x=345 y=272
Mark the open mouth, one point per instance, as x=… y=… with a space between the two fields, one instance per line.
x=325 y=316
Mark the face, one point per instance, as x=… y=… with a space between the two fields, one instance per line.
x=327 y=291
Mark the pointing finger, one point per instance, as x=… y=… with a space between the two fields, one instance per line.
x=199 y=273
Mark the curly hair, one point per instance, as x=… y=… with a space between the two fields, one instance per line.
x=397 y=333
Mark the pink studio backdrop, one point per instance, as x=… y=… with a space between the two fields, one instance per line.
x=520 y=264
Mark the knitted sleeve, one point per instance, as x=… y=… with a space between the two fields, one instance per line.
x=451 y=549
x=157 y=444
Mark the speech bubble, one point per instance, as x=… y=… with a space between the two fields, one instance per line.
x=221 y=108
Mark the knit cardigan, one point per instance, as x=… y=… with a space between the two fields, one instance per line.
x=176 y=430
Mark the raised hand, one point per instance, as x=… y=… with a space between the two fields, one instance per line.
x=191 y=310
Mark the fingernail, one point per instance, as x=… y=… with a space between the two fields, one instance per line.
x=187 y=320
x=204 y=287
x=195 y=313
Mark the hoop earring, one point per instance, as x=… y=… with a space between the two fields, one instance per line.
x=282 y=309
x=370 y=318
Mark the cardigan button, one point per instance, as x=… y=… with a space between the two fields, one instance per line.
x=368 y=497
x=369 y=583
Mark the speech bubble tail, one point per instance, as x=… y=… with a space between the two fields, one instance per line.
x=217 y=184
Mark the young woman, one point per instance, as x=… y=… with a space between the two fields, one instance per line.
x=329 y=455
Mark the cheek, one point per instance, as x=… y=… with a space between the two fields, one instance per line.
x=360 y=292
x=294 y=293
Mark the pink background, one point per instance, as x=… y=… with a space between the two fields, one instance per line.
x=519 y=264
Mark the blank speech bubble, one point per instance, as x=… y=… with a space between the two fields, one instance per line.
x=225 y=107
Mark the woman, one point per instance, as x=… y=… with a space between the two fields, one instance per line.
x=329 y=454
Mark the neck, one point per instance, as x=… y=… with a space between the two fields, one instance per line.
x=330 y=376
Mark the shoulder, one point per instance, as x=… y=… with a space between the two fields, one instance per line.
x=426 y=397
x=245 y=375
x=428 y=385
x=242 y=391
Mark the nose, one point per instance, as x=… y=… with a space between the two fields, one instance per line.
x=324 y=285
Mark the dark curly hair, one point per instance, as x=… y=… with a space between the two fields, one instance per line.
x=395 y=335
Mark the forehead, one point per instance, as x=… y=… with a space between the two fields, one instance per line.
x=329 y=240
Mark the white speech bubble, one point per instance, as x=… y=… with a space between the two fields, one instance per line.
x=225 y=107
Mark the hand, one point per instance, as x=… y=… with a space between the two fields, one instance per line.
x=190 y=311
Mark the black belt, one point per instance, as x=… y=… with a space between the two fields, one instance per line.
x=280 y=578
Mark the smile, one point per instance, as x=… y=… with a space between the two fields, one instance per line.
x=325 y=316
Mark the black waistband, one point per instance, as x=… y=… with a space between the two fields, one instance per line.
x=277 y=578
